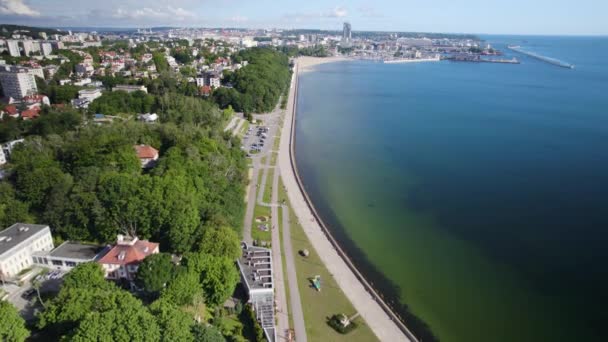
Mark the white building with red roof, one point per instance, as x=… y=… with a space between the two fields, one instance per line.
x=147 y=154
x=124 y=258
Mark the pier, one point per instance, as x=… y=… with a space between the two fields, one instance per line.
x=545 y=59
x=478 y=59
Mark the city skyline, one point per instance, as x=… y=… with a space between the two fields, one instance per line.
x=544 y=17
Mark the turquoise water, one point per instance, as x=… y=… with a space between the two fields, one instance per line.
x=475 y=196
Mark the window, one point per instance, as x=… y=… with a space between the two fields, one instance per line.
x=70 y=264
x=57 y=262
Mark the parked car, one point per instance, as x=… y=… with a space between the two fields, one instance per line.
x=28 y=294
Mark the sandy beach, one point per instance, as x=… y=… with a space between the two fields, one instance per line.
x=308 y=63
x=366 y=304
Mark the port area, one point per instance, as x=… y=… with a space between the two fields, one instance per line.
x=477 y=59
x=545 y=59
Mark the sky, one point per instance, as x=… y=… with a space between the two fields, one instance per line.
x=552 y=17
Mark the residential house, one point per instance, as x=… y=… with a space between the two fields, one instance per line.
x=205 y=90
x=130 y=88
x=37 y=99
x=11 y=110
x=89 y=94
x=147 y=155
x=123 y=259
x=148 y=117
x=31 y=113
x=84 y=69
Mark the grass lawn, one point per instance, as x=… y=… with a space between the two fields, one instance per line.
x=268 y=188
x=256 y=233
x=284 y=263
x=319 y=306
x=244 y=128
x=273 y=158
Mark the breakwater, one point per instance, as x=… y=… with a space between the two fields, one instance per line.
x=542 y=58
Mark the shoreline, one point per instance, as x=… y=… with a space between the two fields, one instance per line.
x=385 y=324
x=307 y=63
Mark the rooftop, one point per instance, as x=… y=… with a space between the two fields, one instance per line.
x=146 y=151
x=256 y=268
x=74 y=250
x=17 y=233
x=124 y=253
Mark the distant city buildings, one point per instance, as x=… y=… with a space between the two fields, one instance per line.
x=13 y=48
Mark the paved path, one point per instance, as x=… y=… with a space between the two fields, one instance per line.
x=250 y=205
x=277 y=257
x=236 y=129
x=377 y=319
x=294 y=290
x=231 y=123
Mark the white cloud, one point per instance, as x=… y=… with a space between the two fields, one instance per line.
x=239 y=19
x=168 y=12
x=17 y=7
x=337 y=12
x=369 y=12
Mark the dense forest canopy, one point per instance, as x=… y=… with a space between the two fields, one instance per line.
x=258 y=86
x=87 y=184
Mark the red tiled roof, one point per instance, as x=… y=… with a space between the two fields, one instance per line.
x=206 y=90
x=33 y=98
x=11 y=109
x=31 y=113
x=146 y=152
x=130 y=254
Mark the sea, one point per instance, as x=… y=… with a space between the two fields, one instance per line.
x=474 y=196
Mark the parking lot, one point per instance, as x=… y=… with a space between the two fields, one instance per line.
x=255 y=140
x=24 y=297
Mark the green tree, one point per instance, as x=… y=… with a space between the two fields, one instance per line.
x=207 y=333
x=129 y=320
x=12 y=326
x=62 y=94
x=160 y=61
x=175 y=324
x=11 y=209
x=218 y=276
x=182 y=289
x=155 y=272
x=221 y=242
x=86 y=275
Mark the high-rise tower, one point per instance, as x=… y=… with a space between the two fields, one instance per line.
x=346 y=33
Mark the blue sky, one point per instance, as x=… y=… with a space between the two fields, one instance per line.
x=582 y=17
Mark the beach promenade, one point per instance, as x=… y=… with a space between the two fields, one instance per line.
x=381 y=323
